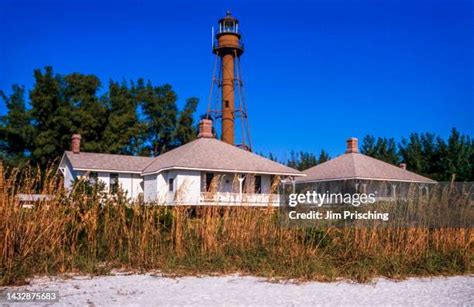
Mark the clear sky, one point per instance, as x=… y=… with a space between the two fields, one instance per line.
x=316 y=72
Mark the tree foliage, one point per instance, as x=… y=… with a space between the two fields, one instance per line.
x=186 y=132
x=384 y=149
x=128 y=118
x=15 y=129
x=427 y=154
x=304 y=160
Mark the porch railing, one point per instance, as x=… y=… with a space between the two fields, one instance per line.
x=239 y=199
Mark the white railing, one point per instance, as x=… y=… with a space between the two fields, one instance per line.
x=239 y=199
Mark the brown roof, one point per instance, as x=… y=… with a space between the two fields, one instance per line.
x=98 y=161
x=359 y=166
x=212 y=154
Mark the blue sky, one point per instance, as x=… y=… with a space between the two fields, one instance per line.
x=316 y=72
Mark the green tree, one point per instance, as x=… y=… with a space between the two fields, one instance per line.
x=123 y=133
x=456 y=160
x=388 y=151
x=323 y=157
x=135 y=119
x=432 y=156
x=302 y=160
x=51 y=117
x=272 y=157
x=186 y=130
x=430 y=147
x=160 y=111
x=89 y=113
x=15 y=128
x=368 y=146
x=384 y=149
x=421 y=153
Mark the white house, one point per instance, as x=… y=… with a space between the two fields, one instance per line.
x=204 y=171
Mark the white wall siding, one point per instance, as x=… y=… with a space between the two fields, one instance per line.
x=188 y=187
x=105 y=179
x=129 y=183
x=171 y=195
x=137 y=185
x=132 y=184
x=162 y=187
x=150 y=193
x=125 y=182
x=68 y=173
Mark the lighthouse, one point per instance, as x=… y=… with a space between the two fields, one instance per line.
x=229 y=103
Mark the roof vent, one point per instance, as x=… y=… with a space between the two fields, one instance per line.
x=352 y=145
x=403 y=166
x=76 y=143
x=205 y=129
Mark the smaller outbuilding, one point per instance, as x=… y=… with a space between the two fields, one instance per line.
x=356 y=172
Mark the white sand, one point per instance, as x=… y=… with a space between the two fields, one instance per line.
x=140 y=290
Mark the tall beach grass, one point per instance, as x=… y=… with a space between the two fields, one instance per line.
x=85 y=232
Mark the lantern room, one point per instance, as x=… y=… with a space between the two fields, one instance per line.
x=228 y=24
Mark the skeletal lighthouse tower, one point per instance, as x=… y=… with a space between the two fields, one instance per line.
x=226 y=99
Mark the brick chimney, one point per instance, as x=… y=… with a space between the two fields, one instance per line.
x=352 y=145
x=205 y=129
x=76 y=143
x=403 y=166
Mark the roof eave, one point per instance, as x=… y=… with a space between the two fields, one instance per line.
x=106 y=170
x=61 y=161
x=367 y=178
x=223 y=170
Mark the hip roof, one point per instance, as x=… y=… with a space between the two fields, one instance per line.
x=359 y=166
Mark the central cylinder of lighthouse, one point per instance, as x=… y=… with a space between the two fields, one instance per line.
x=228 y=48
x=228 y=98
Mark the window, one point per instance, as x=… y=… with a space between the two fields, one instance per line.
x=93 y=176
x=226 y=104
x=244 y=185
x=258 y=184
x=229 y=26
x=171 y=184
x=114 y=183
x=209 y=177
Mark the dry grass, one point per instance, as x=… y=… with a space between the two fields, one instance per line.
x=81 y=232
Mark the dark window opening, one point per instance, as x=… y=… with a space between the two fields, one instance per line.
x=171 y=184
x=209 y=178
x=258 y=184
x=226 y=104
x=114 y=183
x=229 y=26
x=93 y=177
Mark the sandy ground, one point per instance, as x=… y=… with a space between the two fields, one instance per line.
x=140 y=290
